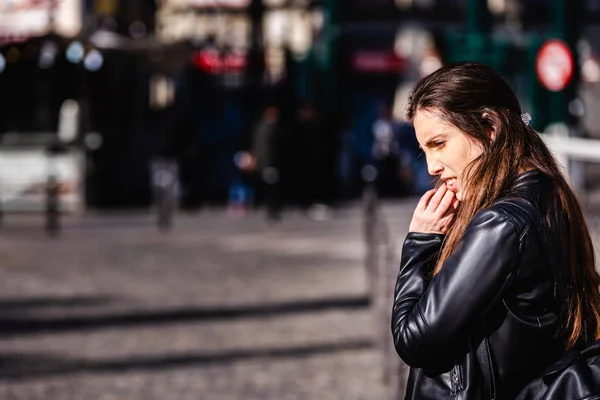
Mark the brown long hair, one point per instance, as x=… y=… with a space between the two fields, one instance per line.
x=476 y=99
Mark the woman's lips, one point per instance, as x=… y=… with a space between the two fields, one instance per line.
x=451 y=185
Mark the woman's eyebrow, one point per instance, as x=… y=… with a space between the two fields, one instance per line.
x=431 y=142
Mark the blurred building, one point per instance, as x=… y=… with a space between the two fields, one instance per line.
x=187 y=79
x=41 y=84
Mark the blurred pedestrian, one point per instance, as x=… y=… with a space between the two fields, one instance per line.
x=266 y=155
x=310 y=158
x=390 y=180
x=413 y=169
x=497 y=276
x=345 y=161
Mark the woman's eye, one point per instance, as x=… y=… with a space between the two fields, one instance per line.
x=438 y=144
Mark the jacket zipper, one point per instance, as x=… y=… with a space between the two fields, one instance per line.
x=456 y=380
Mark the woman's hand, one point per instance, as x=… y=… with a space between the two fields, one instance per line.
x=435 y=211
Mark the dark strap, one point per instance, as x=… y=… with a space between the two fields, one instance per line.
x=483 y=353
x=484 y=357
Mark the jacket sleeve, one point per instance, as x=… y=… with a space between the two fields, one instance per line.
x=428 y=318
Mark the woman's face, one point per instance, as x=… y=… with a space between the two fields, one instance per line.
x=448 y=149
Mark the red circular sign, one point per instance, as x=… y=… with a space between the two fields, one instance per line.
x=554 y=65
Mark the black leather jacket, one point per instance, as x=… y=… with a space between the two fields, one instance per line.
x=497 y=283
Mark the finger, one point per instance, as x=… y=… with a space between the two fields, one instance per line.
x=447 y=220
x=435 y=200
x=445 y=204
x=422 y=205
x=455 y=203
x=450 y=214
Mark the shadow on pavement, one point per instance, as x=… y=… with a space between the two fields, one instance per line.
x=45 y=302
x=31 y=325
x=21 y=366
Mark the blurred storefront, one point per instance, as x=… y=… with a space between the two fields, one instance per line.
x=242 y=56
x=188 y=79
x=41 y=85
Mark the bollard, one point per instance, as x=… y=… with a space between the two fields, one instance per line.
x=381 y=271
x=52 y=206
x=370 y=235
x=52 y=188
x=394 y=370
x=370 y=208
x=165 y=176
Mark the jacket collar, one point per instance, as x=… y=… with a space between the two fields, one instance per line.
x=531 y=185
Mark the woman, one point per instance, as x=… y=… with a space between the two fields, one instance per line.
x=477 y=278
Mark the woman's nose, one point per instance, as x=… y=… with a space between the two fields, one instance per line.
x=434 y=167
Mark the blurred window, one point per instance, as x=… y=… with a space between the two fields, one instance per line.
x=37 y=78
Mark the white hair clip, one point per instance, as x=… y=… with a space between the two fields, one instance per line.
x=526 y=117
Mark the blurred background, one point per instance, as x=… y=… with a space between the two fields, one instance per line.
x=206 y=199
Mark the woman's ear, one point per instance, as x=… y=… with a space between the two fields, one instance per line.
x=492 y=124
x=492 y=133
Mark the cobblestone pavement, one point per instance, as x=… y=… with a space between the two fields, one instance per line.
x=218 y=308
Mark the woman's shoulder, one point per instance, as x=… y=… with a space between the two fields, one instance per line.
x=521 y=206
x=494 y=219
x=518 y=212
